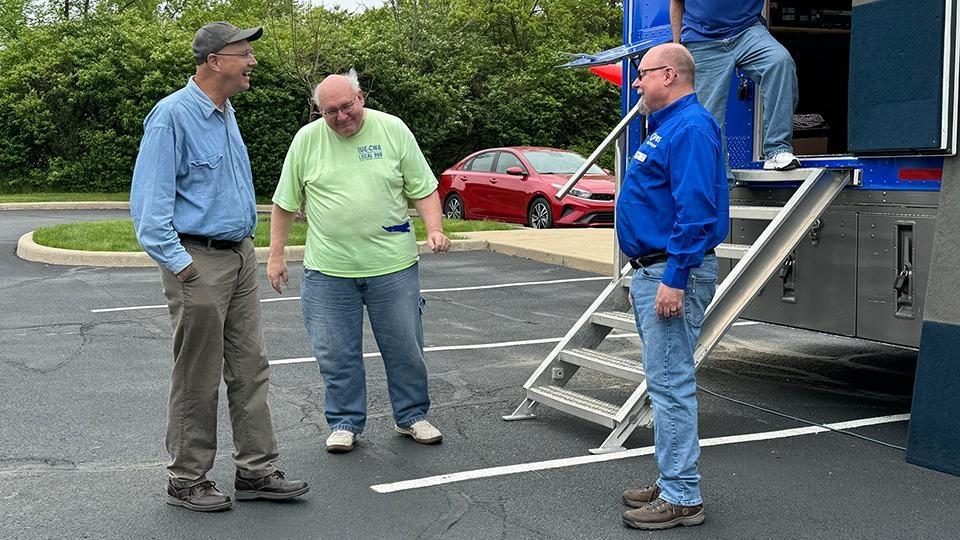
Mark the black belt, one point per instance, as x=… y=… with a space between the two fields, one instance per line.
x=209 y=242
x=647 y=260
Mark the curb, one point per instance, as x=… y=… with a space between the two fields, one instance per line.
x=568 y=261
x=87 y=205
x=29 y=250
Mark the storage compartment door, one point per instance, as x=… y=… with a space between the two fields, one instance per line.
x=903 y=77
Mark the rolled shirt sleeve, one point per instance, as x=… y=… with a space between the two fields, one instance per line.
x=694 y=157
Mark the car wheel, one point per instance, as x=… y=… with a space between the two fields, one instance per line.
x=540 y=216
x=453 y=207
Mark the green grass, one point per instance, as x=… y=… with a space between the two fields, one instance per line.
x=118 y=235
x=62 y=197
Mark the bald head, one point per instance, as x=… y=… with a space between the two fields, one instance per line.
x=341 y=103
x=676 y=56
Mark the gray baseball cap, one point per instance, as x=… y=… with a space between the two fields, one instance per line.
x=217 y=35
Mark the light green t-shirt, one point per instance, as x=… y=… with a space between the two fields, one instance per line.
x=356 y=190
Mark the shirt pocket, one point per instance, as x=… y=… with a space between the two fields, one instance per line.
x=202 y=177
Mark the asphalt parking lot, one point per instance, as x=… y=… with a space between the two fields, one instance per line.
x=84 y=362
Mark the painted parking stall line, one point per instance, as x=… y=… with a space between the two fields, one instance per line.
x=475 y=346
x=448 y=289
x=475 y=474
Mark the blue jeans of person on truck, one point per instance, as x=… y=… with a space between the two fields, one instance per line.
x=668 y=346
x=333 y=314
x=765 y=61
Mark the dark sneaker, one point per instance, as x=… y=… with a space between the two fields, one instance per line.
x=636 y=498
x=663 y=515
x=272 y=486
x=202 y=497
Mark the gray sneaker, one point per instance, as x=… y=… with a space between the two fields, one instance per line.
x=423 y=432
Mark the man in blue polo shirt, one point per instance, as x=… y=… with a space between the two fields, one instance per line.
x=671 y=214
x=726 y=34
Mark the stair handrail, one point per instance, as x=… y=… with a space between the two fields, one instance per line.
x=614 y=135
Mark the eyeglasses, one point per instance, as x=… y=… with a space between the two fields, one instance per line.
x=334 y=112
x=246 y=55
x=642 y=72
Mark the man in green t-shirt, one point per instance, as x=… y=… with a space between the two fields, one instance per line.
x=355 y=172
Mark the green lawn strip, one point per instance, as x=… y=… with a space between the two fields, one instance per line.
x=62 y=197
x=118 y=235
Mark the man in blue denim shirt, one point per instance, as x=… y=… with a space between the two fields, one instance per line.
x=726 y=34
x=194 y=213
x=672 y=211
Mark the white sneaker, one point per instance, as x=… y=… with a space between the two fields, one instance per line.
x=340 y=441
x=781 y=161
x=423 y=432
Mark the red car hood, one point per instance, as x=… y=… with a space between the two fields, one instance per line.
x=593 y=184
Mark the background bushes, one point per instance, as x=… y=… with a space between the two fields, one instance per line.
x=463 y=74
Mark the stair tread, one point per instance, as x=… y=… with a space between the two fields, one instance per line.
x=577 y=399
x=619 y=315
x=608 y=359
x=760 y=175
x=732 y=251
x=747 y=211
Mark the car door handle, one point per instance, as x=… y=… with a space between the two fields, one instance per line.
x=493 y=180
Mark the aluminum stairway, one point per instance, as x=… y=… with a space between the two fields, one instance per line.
x=611 y=310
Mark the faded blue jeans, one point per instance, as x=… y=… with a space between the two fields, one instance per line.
x=765 y=61
x=333 y=314
x=668 y=346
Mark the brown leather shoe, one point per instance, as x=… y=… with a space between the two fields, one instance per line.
x=202 y=497
x=635 y=498
x=273 y=486
x=660 y=514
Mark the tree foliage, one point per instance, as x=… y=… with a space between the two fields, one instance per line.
x=463 y=74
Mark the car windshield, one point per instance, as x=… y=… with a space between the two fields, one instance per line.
x=553 y=162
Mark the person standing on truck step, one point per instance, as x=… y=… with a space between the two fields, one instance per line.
x=671 y=213
x=194 y=213
x=726 y=34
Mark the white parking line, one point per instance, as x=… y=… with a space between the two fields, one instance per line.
x=449 y=289
x=647 y=450
x=474 y=346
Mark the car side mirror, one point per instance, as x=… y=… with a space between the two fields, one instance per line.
x=607 y=171
x=516 y=171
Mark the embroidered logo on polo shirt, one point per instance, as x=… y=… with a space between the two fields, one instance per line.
x=654 y=140
x=370 y=151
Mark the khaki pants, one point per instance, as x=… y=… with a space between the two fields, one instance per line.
x=216 y=329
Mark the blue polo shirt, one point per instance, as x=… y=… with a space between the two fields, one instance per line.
x=710 y=20
x=192 y=176
x=674 y=198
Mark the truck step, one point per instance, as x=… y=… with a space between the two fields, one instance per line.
x=576 y=404
x=623 y=368
x=762 y=176
x=764 y=213
x=732 y=251
x=619 y=320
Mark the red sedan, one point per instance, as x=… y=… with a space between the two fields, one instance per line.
x=518 y=184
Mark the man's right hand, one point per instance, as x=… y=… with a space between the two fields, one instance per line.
x=186 y=273
x=277 y=272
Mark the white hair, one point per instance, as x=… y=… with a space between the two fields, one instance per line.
x=351 y=77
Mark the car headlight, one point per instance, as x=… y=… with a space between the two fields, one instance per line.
x=579 y=193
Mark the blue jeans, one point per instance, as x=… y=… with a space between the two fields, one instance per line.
x=765 y=60
x=333 y=314
x=668 y=346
